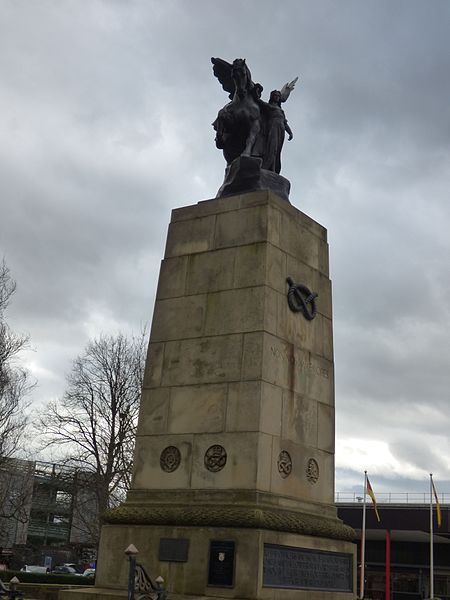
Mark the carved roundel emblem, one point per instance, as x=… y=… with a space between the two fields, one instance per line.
x=312 y=471
x=215 y=458
x=284 y=464
x=170 y=459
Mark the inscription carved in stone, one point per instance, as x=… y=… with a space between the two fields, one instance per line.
x=301 y=568
x=284 y=464
x=312 y=471
x=170 y=459
x=215 y=458
x=304 y=365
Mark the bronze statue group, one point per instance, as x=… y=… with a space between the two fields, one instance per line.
x=248 y=125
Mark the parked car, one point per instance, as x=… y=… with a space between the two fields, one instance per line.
x=35 y=569
x=64 y=570
x=89 y=573
x=78 y=568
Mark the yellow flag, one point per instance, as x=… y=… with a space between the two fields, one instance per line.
x=374 y=500
x=438 y=506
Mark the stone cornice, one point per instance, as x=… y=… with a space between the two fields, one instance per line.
x=230 y=516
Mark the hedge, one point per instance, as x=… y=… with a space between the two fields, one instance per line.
x=59 y=578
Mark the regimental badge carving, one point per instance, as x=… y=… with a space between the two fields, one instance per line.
x=301 y=299
x=284 y=464
x=312 y=471
x=170 y=459
x=215 y=458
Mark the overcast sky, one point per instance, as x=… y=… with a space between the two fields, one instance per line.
x=105 y=126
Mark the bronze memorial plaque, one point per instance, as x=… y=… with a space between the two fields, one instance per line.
x=173 y=549
x=288 y=567
x=221 y=563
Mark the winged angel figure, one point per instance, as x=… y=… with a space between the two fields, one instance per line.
x=247 y=125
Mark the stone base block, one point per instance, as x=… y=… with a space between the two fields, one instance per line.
x=245 y=175
x=92 y=593
x=227 y=563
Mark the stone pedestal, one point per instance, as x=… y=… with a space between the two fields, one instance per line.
x=233 y=483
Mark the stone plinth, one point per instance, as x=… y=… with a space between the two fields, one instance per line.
x=193 y=574
x=235 y=439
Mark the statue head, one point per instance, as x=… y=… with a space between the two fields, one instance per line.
x=240 y=74
x=275 y=97
x=258 y=90
x=238 y=63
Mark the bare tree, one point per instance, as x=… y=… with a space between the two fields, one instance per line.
x=16 y=490
x=14 y=380
x=14 y=386
x=96 y=419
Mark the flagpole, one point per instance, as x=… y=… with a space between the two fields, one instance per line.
x=431 y=539
x=388 y=565
x=363 y=540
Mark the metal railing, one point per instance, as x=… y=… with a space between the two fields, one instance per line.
x=391 y=497
x=58 y=531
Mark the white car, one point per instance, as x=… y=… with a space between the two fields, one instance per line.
x=89 y=573
x=35 y=569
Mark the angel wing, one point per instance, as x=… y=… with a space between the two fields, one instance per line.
x=222 y=70
x=287 y=89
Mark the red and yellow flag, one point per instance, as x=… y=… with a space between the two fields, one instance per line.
x=374 y=500
x=438 y=506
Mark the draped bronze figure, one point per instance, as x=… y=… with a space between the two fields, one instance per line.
x=248 y=126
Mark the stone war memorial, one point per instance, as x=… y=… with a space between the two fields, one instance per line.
x=232 y=493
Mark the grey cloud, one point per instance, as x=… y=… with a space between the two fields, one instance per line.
x=399 y=485
x=106 y=126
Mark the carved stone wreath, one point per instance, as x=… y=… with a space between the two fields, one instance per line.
x=284 y=464
x=215 y=458
x=301 y=299
x=170 y=459
x=312 y=471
